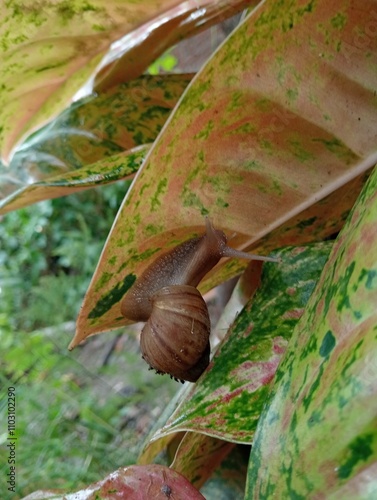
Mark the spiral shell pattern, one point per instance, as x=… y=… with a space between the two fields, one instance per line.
x=175 y=340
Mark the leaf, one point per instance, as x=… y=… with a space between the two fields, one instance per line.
x=317 y=434
x=137 y=483
x=49 y=53
x=198 y=456
x=243 y=292
x=228 y=481
x=272 y=140
x=227 y=400
x=112 y=169
x=89 y=134
x=135 y=51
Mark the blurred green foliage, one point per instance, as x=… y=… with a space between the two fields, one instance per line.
x=48 y=253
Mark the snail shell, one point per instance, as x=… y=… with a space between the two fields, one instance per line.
x=175 y=340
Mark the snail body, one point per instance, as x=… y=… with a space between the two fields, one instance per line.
x=175 y=339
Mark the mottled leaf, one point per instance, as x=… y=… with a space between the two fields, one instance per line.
x=91 y=130
x=135 y=51
x=283 y=116
x=111 y=169
x=317 y=435
x=49 y=53
x=227 y=400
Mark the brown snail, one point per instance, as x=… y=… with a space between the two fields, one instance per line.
x=175 y=338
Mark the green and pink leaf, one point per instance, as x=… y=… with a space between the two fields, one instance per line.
x=279 y=132
x=318 y=431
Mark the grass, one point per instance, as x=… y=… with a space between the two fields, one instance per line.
x=75 y=422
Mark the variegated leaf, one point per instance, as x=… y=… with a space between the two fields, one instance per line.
x=136 y=482
x=272 y=140
x=111 y=169
x=88 y=136
x=317 y=435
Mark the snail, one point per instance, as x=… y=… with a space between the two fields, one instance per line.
x=175 y=338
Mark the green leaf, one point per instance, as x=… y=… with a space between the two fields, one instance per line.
x=111 y=169
x=317 y=435
x=272 y=140
x=166 y=62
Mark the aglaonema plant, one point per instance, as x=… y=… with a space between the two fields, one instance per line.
x=296 y=370
x=274 y=140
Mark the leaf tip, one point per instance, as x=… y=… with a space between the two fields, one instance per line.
x=77 y=339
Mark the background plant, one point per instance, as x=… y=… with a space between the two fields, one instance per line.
x=48 y=253
x=79 y=411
